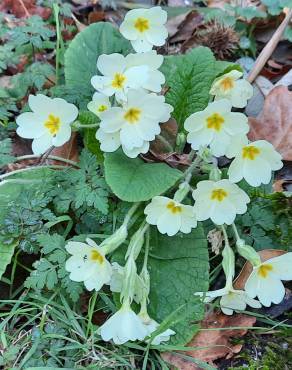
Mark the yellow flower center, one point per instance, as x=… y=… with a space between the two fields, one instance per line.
x=215 y=122
x=132 y=115
x=173 y=208
x=227 y=83
x=102 y=108
x=264 y=270
x=141 y=24
x=118 y=81
x=250 y=152
x=95 y=256
x=53 y=124
x=218 y=194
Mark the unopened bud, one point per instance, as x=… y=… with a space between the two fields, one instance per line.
x=248 y=252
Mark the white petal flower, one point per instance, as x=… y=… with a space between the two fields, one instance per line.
x=231 y=300
x=138 y=120
x=153 y=61
x=48 y=124
x=88 y=264
x=231 y=87
x=151 y=325
x=253 y=161
x=123 y=326
x=215 y=126
x=99 y=103
x=220 y=201
x=116 y=77
x=170 y=216
x=145 y=28
x=111 y=142
x=265 y=279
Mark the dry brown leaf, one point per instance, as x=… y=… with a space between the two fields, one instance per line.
x=274 y=123
x=187 y=27
x=68 y=151
x=166 y=139
x=24 y=8
x=218 y=341
x=174 y=23
x=247 y=268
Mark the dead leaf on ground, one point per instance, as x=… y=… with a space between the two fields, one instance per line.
x=274 y=123
x=174 y=23
x=218 y=341
x=24 y=8
x=68 y=151
x=167 y=138
x=247 y=268
x=96 y=16
x=187 y=27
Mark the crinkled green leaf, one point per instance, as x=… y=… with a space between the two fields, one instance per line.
x=81 y=56
x=189 y=78
x=178 y=268
x=133 y=180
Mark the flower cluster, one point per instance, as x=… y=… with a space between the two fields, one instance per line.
x=132 y=83
x=88 y=264
x=130 y=110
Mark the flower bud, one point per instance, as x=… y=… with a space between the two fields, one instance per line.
x=215 y=174
x=228 y=264
x=180 y=142
x=182 y=191
x=115 y=240
x=248 y=252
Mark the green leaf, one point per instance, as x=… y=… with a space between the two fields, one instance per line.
x=5 y=150
x=178 y=267
x=81 y=56
x=189 y=78
x=132 y=180
x=6 y=254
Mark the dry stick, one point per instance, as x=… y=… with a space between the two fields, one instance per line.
x=269 y=48
x=24 y=8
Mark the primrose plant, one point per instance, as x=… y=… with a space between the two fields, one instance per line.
x=131 y=108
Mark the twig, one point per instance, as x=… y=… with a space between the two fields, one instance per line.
x=27 y=13
x=53 y=157
x=45 y=155
x=269 y=48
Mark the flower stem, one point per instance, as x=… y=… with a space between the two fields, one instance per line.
x=58 y=32
x=235 y=231
x=165 y=143
x=30 y=169
x=130 y=213
x=53 y=157
x=146 y=251
x=188 y=173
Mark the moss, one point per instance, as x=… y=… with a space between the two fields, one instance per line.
x=264 y=353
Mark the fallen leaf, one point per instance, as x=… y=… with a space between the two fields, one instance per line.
x=274 y=123
x=187 y=27
x=217 y=341
x=167 y=138
x=174 y=23
x=24 y=8
x=215 y=238
x=247 y=268
x=68 y=151
x=96 y=16
x=218 y=3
